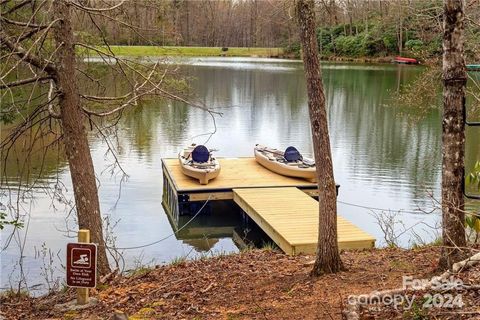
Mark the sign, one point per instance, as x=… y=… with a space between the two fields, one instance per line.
x=81 y=265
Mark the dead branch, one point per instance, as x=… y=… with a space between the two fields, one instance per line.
x=51 y=111
x=23 y=24
x=28 y=56
x=23 y=82
x=148 y=80
x=134 y=28
x=90 y=9
x=17 y=6
x=30 y=33
x=98 y=98
x=131 y=101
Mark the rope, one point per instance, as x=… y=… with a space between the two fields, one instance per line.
x=166 y=237
x=208 y=199
x=384 y=209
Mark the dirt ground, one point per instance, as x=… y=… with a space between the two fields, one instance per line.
x=249 y=285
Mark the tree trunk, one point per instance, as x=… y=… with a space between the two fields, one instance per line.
x=74 y=135
x=400 y=28
x=453 y=134
x=328 y=257
x=187 y=22
x=253 y=23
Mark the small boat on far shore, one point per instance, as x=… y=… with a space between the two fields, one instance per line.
x=473 y=67
x=404 y=60
x=197 y=162
x=288 y=163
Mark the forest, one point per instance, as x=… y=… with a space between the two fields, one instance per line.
x=347 y=28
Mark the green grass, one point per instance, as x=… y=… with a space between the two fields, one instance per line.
x=178 y=260
x=137 y=51
x=11 y=293
x=269 y=246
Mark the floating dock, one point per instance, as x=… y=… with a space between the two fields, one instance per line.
x=180 y=190
x=282 y=206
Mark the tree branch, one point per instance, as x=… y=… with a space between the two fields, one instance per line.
x=29 y=57
x=132 y=100
x=79 y=6
x=23 y=24
x=18 y=6
x=51 y=110
x=23 y=82
x=98 y=98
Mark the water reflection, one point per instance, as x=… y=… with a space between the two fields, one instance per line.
x=380 y=158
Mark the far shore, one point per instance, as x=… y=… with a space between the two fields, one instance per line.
x=166 y=51
x=138 y=51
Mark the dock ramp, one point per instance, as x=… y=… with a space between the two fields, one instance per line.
x=289 y=217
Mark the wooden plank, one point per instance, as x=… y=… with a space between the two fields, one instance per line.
x=235 y=173
x=170 y=196
x=290 y=217
x=263 y=224
x=167 y=172
x=210 y=196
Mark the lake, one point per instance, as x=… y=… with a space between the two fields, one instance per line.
x=382 y=159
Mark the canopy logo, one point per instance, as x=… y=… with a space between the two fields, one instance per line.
x=436 y=298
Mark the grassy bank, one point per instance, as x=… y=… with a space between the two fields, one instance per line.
x=137 y=51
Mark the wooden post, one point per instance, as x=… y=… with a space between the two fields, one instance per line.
x=82 y=293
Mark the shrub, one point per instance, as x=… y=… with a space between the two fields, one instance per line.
x=390 y=42
x=414 y=45
x=349 y=45
x=293 y=48
x=372 y=46
x=324 y=38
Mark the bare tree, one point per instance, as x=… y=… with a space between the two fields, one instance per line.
x=453 y=133
x=75 y=137
x=40 y=76
x=328 y=256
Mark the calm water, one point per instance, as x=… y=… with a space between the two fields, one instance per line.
x=381 y=159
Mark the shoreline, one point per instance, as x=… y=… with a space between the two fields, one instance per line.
x=251 y=284
x=164 y=51
x=252 y=52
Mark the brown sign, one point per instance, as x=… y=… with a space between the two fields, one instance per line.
x=81 y=265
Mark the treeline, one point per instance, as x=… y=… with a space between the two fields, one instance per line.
x=210 y=23
x=352 y=28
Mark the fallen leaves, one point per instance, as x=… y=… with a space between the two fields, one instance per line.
x=249 y=285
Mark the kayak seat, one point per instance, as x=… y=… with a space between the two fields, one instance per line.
x=291 y=154
x=200 y=154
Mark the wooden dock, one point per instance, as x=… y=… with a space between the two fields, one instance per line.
x=290 y=218
x=179 y=190
x=282 y=206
